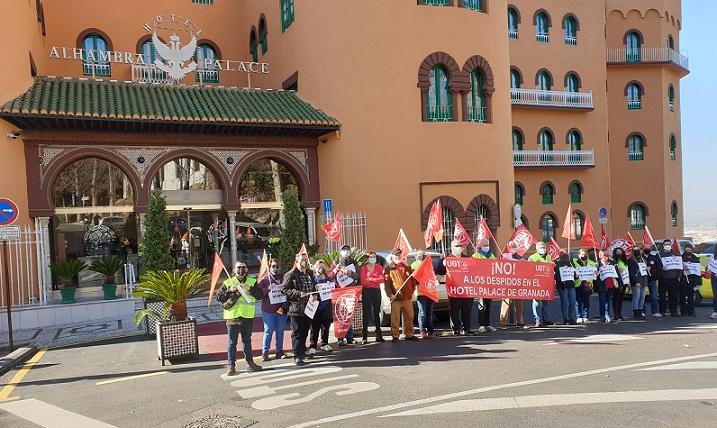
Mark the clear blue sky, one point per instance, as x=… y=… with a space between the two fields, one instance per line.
x=699 y=92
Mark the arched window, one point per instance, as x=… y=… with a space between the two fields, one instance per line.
x=671 y=97
x=95 y=61
x=544 y=81
x=634 y=96
x=513 y=21
x=570 y=24
x=635 y=148
x=253 y=45
x=476 y=5
x=576 y=192
x=674 y=212
x=548 y=192
x=476 y=98
x=575 y=141
x=671 y=42
x=548 y=223
x=208 y=72
x=287 y=14
x=572 y=82
x=149 y=54
x=545 y=140
x=519 y=194
x=263 y=39
x=542 y=27
x=515 y=79
x=440 y=100
x=637 y=216
x=577 y=226
x=517 y=140
x=673 y=147
x=633 y=46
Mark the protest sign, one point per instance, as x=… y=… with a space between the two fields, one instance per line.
x=325 y=290
x=672 y=263
x=587 y=273
x=567 y=273
x=607 y=271
x=276 y=296
x=499 y=279
x=311 y=306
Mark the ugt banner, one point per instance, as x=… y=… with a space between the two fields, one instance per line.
x=345 y=301
x=499 y=279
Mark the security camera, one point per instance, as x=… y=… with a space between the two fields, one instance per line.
x=13 y=135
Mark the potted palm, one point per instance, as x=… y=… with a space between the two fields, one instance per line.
x=67 y=271
x=108 y=267
x=176 y=332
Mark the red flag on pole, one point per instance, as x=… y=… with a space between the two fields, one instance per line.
x=460 y=234
x=345 y=301
x=553 y=249
x=333 y=229
x=264 y=267
x=605 y=242
x=676 y=246
x=520 y=242
x=589 y=240
x=402 y=244
x=426 y=278
x=568 y=229
x=629 y=244
x=483 y=231
x=217 y=269
x=647 y=237
x=434 y=229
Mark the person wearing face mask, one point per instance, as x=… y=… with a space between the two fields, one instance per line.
x=688 y=284
x=654 y=273
x=399 y=286
x=637 y=265
x=299 y=286
x=618 y=294
x=460 y=308
x=606 y=287
x=713 y=282
x=371 y=277
x=484 y=305
x=239 y=314
x=669 y=287
x=511 y=307
x=273 y=314
x=566 y=289
x=540 y=307
x=583 y=289
x=321 y=324
x=425 y=305
x=346 y=274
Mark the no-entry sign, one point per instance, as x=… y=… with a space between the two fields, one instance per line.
x=8 y=211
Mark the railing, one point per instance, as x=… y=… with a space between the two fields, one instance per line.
x=513 y=33
x=640 y=225
x=634 y=104
x=95 y=69
x=476 y=5
x=149 y=74
x=207 y=76
x=648 y=55
x=571 y=40
x=435 y=2
x=540 y=158
x=476 y=114
x=442 y=113
x=542 y=37
x=671 y=105
x=354 y=231
x=537 y=97
x=635 y=156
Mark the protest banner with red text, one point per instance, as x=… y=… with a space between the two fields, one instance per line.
x=345 y=301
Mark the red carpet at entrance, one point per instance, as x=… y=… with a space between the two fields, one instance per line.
x=213 y=340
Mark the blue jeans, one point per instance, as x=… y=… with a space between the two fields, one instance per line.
x=605 y=298
x=349 y=336
x=568 y=305
x=540 y=311
x=425 y=314
x=273 y=324
x=583 y=299
x=244 y=328
x=654 y=299
x=714 y=293
x=638 y=297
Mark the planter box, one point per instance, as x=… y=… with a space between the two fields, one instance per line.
x=177 y=339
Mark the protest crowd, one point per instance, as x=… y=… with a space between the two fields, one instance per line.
x=312 y=297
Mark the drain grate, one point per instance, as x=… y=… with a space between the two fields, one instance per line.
x=221 y=421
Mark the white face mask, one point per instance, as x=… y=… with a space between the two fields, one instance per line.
x=303 y=264
x=485 y=249
x=456 y=252
x=542 y=251
x=667 y=248
x=372 y=260
x=345 y=253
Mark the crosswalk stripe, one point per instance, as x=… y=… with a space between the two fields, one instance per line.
x=49 y=416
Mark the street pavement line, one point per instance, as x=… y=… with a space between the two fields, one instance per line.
x=49 y=416
x=24 y=370
x=692 y=365
x=555 y=400
x=495 y=388
x=122 y=379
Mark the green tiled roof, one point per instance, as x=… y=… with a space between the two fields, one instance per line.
x=97 y=99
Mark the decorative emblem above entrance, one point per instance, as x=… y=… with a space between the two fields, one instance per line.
x=173 y=56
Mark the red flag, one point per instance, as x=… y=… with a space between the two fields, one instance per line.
x=520 y=242
x=264 y=267
x=647 y=237
x=345 y=301
x=553 y=249
x=629 y=244
x=605 y=242
x=676 y=246
x=589 y=239
x=568 y=230
x=483 y=231
x=217 y=269
x=460 y=234
x=333 y=229
x=434 y=229
x=426 y=278
x=302 y=251
x=403 y=245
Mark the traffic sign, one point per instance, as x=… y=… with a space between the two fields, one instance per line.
x=8 y=211
x=10 y=233
x=603 y=213
x=328 y=206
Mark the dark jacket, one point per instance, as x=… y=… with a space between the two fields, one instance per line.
x=693 y=280
x=636 y=278
x=293 y=286
x=563 y=284
x=654 y=264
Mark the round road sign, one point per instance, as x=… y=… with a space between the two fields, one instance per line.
x=8 y=211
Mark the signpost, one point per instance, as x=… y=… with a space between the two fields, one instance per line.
x=328 y=207
x=603 y=216
x=8 y=211
x=8 y=233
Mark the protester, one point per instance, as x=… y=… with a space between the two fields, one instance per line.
x=606 y=287
x=346 y=274
x=399 y=286
x=321 y=324
x=639 y=282
x=298 y=285
x=541 y=311
x=566 y=289
x=583 y=288
x=669 y=287
x=273 y=314
x=688 y=283
x=654 y=273
x=460 y=309
x=239 y=311
x=425 y=305
x=618 y=294
x=371 y=277
x=512 y=307
x=484 y=305
x=713 y=280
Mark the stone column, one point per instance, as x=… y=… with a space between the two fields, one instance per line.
x=311 y=224
x=42 y=226
x=231 y=236
x=140 y=227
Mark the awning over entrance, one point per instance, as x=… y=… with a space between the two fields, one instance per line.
x=104 y=105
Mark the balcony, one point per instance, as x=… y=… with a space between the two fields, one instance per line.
x=94 y=69
x=559 y=159
x=648 y=56
x=571 y=40
x=542 y=37
x=149 y=74
x=476 y=114
x=513 y=33
x=554 y=99
x=207 y=76
x=439 y=113
x=634 y=104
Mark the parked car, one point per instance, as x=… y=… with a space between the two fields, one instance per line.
x=706 y=248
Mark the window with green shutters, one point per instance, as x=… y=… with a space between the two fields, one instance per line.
x=476 y=5
x=671 y=97
x=576 y=193
x=575 y=141
x=94 y=45
x=253 y=46
x=635 y=148
x=637 y=217
x=674 y=212
x=439 y=101
x=476 y=99
x=517 y=140
x=545 y=141
x=206 y=73
x=633 y=47
x=673 y=147
x=263 y=39
x=634 y=97
x=577 y=226
x=287 y=14
x=542 y=25
x=513 y=23
x=670 y=42
x=547 y=224
x=519 y=193
x=571 y=31
x=515 y=80
x=545 y=83
x=435 y=2
x=548 y=192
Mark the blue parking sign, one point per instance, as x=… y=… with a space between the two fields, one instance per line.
x=328 y=206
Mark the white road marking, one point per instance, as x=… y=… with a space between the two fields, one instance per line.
x=554 y=400
x=122 y=379
x=293 y=398
x=595 y=338
x=460 y=394
x=692 y=365
x=50 y=416
x=264 y=390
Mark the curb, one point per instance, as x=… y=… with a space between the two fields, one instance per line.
x=16 y=357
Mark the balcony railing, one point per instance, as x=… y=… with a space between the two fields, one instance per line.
x=149 y=74
x=513 y=33
x=562 y=99
x=542 y=37
x=442 y=113
x=634 y=104
x=207 y=76
x=96 y=69
x=671 y=105
x=476 y=5
x=541 y=158
x=648 y=55
x=476 y=114
x=635 y=156
x=435 y=2
x=571 y=40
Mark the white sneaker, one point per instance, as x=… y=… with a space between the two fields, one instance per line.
x=481 y=329
x=326 y=348
x=657 y=315
x=579 y=321
x=490 y=329
x=713 y=316
x=607 y=318
x=311 y=351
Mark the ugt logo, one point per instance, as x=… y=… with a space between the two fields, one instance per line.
x=173 y=56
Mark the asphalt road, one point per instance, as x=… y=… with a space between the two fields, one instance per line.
x=656 y=373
